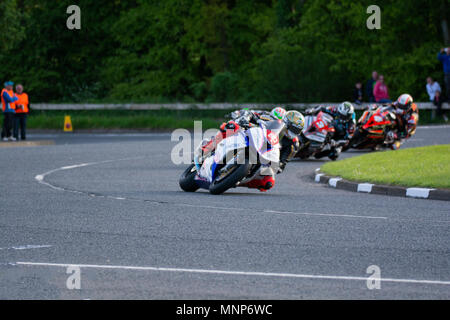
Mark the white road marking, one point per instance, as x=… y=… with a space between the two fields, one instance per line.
x=435 y=127
x=41 y=179
x=365 y=187
x=235 y=273
x=27 y=247
x=280 y=212
x=418 y=192
x=326 y=214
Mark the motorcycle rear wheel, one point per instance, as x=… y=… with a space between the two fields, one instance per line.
x=187 y=179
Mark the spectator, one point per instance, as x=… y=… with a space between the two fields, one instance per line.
x=8 y=98
x=444 y=57
x=434 y=91
x=358 y=93
x=381 y=91
x=20 y=118
x=370 y=85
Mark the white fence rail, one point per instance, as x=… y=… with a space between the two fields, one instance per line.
x=211 y=106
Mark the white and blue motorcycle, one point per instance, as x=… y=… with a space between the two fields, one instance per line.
x=237 y=160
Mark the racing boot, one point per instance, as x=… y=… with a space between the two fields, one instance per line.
x=264 y=184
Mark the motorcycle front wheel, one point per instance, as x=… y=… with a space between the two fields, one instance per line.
x=187 y=179
x=356 y=140
x=229 y=180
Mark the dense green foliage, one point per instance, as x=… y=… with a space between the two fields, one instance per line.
x=217 y=50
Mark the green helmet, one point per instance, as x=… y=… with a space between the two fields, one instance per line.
x=278 y=113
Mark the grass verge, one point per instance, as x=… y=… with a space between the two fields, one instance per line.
x=162 y=119
x=415 y=167
x=125 y=119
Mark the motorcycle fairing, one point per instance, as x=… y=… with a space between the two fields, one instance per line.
x=317 y=127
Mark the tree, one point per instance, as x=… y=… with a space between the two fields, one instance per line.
x=10 y=24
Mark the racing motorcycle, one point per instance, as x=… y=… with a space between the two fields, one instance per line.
x=318 y=132
x=372 y=128
x=237 y=160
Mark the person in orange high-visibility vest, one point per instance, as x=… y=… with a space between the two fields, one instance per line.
x=22 y=109
x=8 y=107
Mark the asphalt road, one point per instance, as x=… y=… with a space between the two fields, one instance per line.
x=111 y=205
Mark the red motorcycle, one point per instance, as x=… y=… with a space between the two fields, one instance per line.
x=372 y=128
x=318 y=132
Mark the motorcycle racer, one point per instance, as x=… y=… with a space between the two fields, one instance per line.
x=407 y=117
x=247 y=118
x=292 y=139
x=290 y=144
x=244 y=119
x=344 y=118
x=289 y=139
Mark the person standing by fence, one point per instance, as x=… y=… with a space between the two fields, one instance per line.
x=370 y=85
x=434 y=92
x=381 y=91
x=8 y=98
x=22 y=109
x=444 y=58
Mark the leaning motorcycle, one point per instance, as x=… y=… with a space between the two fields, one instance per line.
x=319 y=131
x=236 y=161
x=372 y=128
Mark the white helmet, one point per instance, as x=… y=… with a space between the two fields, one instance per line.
x=278 y=113
x=346 y=110
x=404 y=102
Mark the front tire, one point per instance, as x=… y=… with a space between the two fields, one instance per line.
x=187 y=179
x=230 y=181
x=356 y=140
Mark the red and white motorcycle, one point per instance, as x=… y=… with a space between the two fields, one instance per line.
x=318 y=132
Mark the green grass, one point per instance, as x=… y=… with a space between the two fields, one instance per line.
x=125 y=119
x=416 y=167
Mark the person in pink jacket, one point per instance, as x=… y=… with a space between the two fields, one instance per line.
x=381 y=91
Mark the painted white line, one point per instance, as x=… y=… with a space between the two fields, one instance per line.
x=234 y=273
x=333 y=182
x=281 y=212
x=415 y=139
x=41 y=179
x=365 y=187
x=418 y=192
x=435 y=127
x=27 y=247
x=327 y=214
x=317 y=179
x=75 y=166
